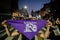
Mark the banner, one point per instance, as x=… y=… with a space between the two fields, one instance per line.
x=28 y=27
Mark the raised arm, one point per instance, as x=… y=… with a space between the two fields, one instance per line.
x=5 y=25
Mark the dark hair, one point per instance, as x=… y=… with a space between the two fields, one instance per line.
x=46 y=17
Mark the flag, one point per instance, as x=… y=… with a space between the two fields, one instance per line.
x=28 y=27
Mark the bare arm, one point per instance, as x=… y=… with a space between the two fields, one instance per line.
x=7 y=30
x=47 y=33
x=5 y=25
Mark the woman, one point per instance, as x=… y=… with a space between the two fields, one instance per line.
x=40 y=34
x=44 y=32
x=5 y=24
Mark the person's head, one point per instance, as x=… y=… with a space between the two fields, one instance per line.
x=22 y=17
x=43 y=12
x=57 y=21
x=34 y=18
x=30 y=17
x=49 y=23
x=15 y=13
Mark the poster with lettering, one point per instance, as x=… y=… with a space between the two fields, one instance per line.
x=28 y=27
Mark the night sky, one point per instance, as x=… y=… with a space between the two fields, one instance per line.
x=32 y=4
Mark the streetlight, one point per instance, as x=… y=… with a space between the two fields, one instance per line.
x=25 y=7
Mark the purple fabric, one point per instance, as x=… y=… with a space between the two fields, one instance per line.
x=28 y=27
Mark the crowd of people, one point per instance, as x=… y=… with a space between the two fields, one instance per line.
x=50 y=31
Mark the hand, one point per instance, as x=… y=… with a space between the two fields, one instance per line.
x=4 y=23
x=57 y=22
